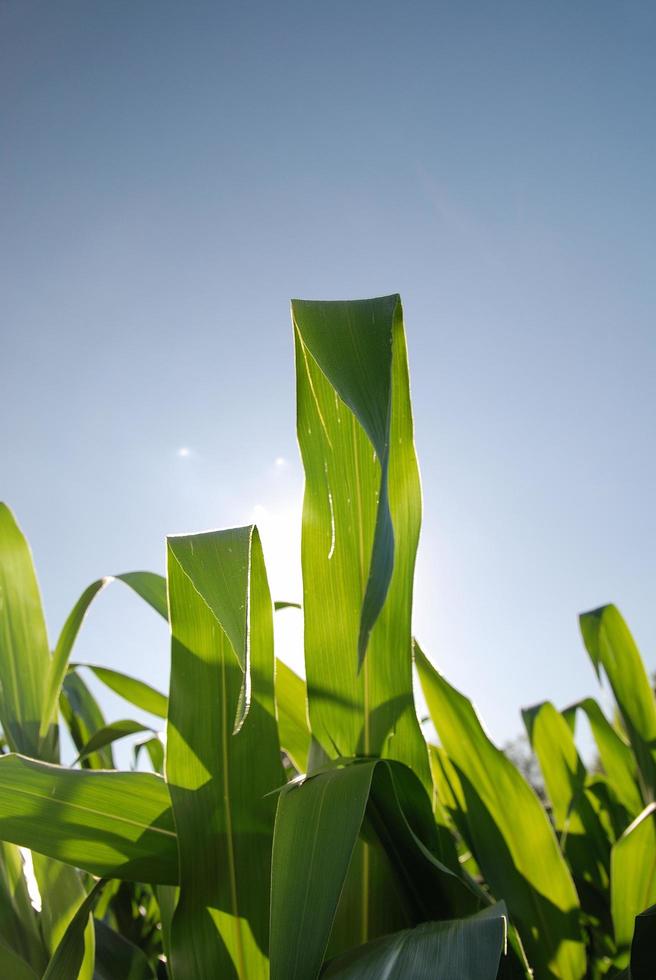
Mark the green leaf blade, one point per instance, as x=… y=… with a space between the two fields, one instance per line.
x=633 y=877
x=361 y=518
x=24 y=650
x=70 y=953
x=510 y=835
x=112 y=824
x=583 y=839
x=223 y=754
x=291 y=705
x=318 y=823
x=469 y=949
x=609 y=642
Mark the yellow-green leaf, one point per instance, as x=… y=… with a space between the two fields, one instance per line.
x=223 y=754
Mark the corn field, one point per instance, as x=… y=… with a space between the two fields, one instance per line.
x=297 y=828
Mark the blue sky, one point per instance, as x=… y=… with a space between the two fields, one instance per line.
x=172 y=173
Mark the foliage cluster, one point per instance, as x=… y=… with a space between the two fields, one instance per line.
x=294 y=828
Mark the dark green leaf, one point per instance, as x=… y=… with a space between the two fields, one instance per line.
x=117 y=958
x=318 y=823
x=13 y=966
x=466 y=949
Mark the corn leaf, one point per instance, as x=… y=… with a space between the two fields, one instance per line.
x=167 y=899
x=62 y=891
x=14 y=966
x=469 y=949
x=112 y=824
x=19 y=927
x=223 y=754
x=291 y=705
x=58 y=664
x=137 y=692
x=611 y=646
x=361 y=518
x=67 y=959
x=513 y=842
x=318 y=823
x=633 y=877
x=155 y=750
x=615 y=754
x=83 y=717
x=24 y=651
x=147 y=585
x=109 y=734
x=582 y=836
x=117 y=958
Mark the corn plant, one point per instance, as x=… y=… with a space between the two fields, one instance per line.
x=296 y=828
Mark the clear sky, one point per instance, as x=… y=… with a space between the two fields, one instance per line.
x=171 y=173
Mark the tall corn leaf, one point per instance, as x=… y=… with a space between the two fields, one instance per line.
x=361 y=518
x=114 y=824
x=223 y=754
x=611 y=646
x=24 y=652
x=318 y=823
x=469 y=949
x=633 y=877
x=615 y=754
x=513 y=841
x=582 y=837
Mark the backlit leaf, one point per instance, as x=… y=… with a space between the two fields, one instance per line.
x=223 y=754
x=512 y=839
x=611 y=646
x=361 y=517
x=112 y=824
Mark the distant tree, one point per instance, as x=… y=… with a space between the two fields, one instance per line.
x=520 y=753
